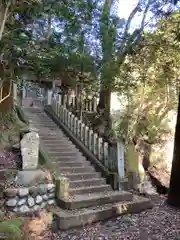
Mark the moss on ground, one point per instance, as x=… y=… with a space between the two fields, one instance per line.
x=11 y=229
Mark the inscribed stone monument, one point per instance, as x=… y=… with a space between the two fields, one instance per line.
x=30 y=150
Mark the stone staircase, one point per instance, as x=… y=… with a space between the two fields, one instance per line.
x=90 y=198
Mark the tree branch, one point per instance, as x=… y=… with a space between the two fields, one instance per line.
x=131 y=16
x=4 y=18
x=127 y=46
x=145 y=15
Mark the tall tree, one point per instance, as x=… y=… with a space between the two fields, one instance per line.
x=174 y=192
x=116 y=42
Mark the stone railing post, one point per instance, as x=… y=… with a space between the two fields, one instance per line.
x=60 y=99
x=15 y=92
x=120 y=159
x=49 y=96
x=23 y=92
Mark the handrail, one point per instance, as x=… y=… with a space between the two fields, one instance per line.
x=111 y=157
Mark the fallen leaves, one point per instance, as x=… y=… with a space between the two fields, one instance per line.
x=37 y=228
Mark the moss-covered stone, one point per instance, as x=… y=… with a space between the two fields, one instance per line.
x=135 y=169
x=62 y=187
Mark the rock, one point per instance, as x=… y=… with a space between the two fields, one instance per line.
x=43 y=205
x=11 y=192
x=24 y=131
x=21 y=202
x=160 y=176
x=45 y=197
x=43 y=189
x=16 y=147
x=2 y=193
x=51 y=195
x=51 y=202
x=2 y=214
x=30 y=150
x=36 y=208
x=23 y=192
x=3 y=174
x=11 y=202
x=147 y=188
x=15 y=210
x=30 y=177
x=51 y=187
x=33 y=191
x=52 y=190
x=39 y=199
x=27 y=129
x=49 y=178
x=30 y=201
x=24 y=209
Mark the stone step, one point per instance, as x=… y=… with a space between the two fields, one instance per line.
x=55 y=144
x=58 y=143
x=71 y=163
x=48 y=124
x=87 y=182
x=66 y=219
x=33 y=110
x=59 y=148
x=55 y=137
x=46 y=121
x=55 y=132
x=94 y=199
x=64 y=153
x=54 y=141
x=50 y=128
x=60 y=158
x=90 y=189
x=82 y=177
x=61 y=144
x=81 y=170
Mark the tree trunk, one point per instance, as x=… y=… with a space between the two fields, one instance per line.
x=104 y=109
x=49 y=30
x=174 y=190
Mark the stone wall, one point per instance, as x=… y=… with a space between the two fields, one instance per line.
x=32 y=199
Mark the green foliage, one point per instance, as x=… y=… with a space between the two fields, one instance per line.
x=84 y=43
x=152 y=84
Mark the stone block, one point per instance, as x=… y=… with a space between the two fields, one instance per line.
x=30 y=177
x=30 y=151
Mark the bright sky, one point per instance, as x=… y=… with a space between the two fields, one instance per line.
x=125 y=7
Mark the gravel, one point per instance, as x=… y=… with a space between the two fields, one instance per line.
x=10 y=160
x=160 y=223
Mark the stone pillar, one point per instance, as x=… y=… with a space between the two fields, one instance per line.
x=62 y=187
x=120 y=158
